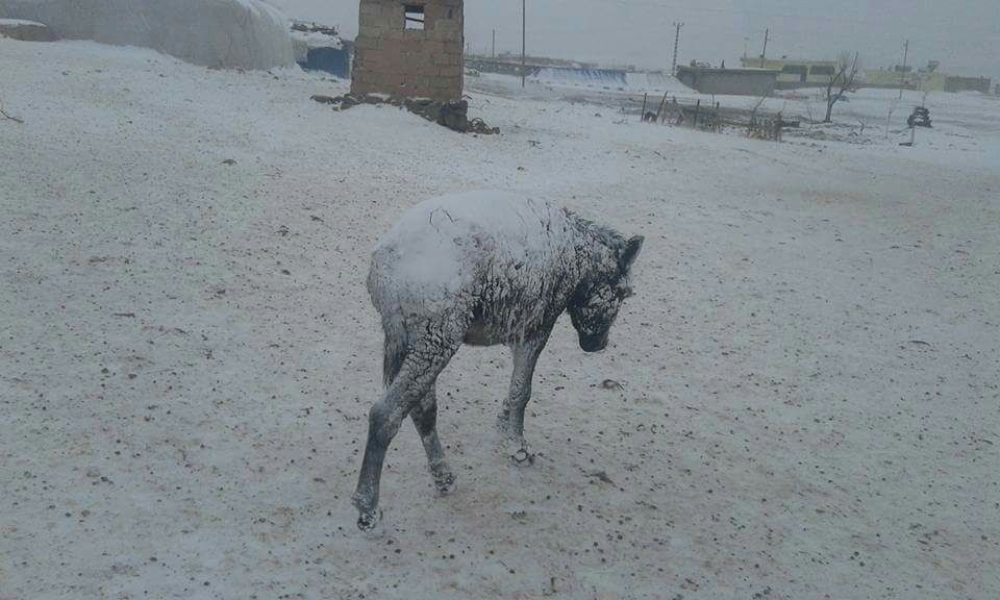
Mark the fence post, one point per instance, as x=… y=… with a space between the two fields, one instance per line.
x=697 y=109
x=662 y=102
x=642 y=117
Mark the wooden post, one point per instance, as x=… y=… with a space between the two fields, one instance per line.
x=697 y=109
x=677 y=39
x=662 y=102
x=902 y=74
x=524 y=40
x=642 y=118
x=763 y=55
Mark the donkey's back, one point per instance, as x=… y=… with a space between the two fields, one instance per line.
x=448 y=252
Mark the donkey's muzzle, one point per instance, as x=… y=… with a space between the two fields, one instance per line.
x=593 y=343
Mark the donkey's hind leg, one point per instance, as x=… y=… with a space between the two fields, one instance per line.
x=424 y=416
x=415 y=378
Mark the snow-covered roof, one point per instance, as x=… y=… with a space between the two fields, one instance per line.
x=315 y=39
x=20 y=22
x=249 y=34
x=315 y=36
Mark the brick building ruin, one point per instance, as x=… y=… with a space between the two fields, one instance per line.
x=410 y=49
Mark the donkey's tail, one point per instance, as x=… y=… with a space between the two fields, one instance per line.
x=395 y=351
x=380 y=288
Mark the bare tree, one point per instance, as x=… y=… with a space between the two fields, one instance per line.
x=842 y=82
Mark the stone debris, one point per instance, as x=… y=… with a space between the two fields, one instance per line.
x=453 y=114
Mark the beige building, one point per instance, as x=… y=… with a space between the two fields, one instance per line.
x=410 y=49
x=796 y=73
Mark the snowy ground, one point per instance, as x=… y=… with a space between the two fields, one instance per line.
x=868 y=117
x=808 y=407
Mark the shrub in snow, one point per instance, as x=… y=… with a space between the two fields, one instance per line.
x=247 y=34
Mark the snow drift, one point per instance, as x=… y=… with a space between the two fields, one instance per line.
x=247 y=34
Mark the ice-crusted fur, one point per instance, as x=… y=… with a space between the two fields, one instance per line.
x=481 y=268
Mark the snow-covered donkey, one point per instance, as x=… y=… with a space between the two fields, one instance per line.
x=481 y=268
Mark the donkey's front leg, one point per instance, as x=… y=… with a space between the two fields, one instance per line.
x=511 y=421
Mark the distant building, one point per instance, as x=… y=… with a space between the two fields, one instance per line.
x=967 y=84
x=796 y=73
x=925 y=81
x=734 y=82
x=896 y=77
x=319 y=48
x=818 y=73
x=409 y=49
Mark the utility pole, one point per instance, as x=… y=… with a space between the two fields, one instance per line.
x=677 y=40
x=902 y=72
x=524 y=39
x=746 y=47
x=763 y=55
x=494 y=44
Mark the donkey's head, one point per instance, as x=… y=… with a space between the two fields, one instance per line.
x=594 y=307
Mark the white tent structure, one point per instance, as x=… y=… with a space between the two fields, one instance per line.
x=248 y=34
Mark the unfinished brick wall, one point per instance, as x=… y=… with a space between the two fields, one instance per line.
x=425 y=63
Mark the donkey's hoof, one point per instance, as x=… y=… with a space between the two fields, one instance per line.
x=444 y=482
x=523 y=457
x=520 y=453
x=368 y=521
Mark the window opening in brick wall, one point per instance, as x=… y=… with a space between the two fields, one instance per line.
x=414 y=16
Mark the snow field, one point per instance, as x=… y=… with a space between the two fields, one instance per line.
x=803 y=398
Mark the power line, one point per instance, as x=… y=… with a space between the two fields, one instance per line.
x=687 y=7
x=791 y=44
x=677 y=39
x=524 y=40
x=814 y=23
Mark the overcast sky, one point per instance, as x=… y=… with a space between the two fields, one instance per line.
x=963 y=34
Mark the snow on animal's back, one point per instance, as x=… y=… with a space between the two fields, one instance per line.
x=446 y=245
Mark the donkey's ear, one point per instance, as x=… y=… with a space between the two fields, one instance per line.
x=631 y=252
